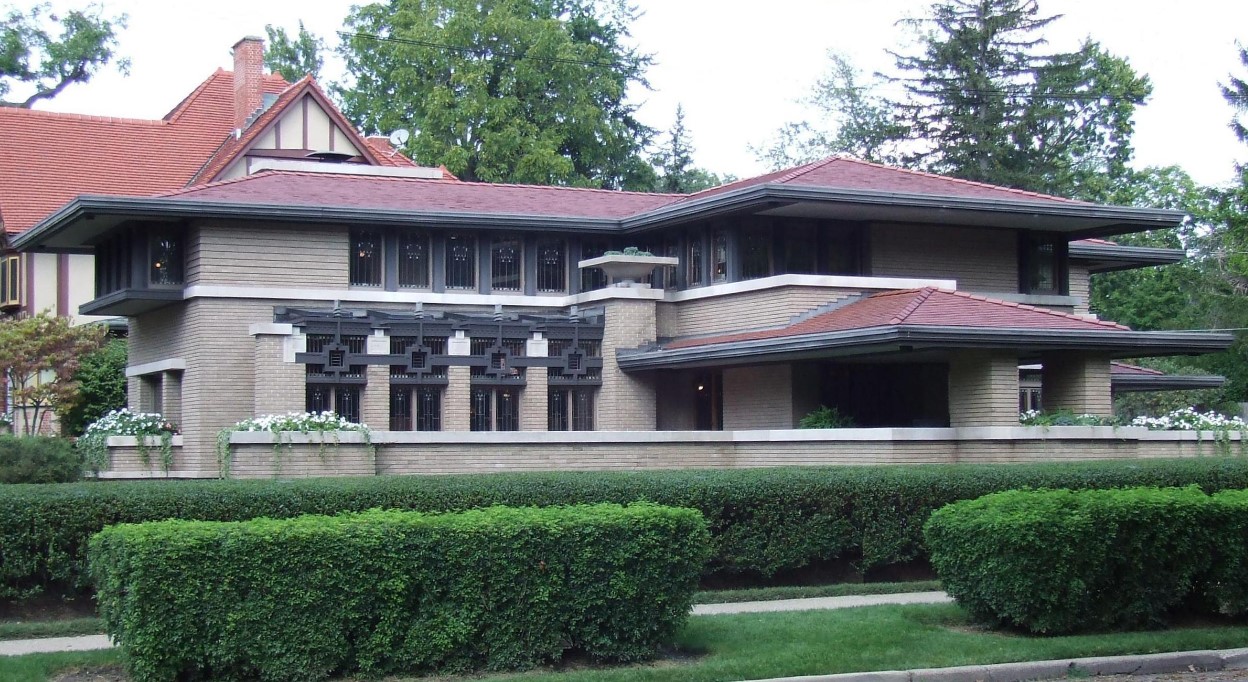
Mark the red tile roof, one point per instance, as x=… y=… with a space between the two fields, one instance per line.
x=843 y=172
x=1116 y=367
x=921 y=307
x=49 y=158
x=415 y=194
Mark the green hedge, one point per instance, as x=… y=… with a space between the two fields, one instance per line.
x=383 y=592
x=762 y=521
x=1060 y=561
x=38 y=459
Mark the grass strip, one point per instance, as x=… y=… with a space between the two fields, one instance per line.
x=44 y=667
x=754 y=646
x=37 y=629
x=811 y=591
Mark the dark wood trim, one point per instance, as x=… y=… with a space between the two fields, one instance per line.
x=305 y=123
x=29 y=266
x=437 y=261
x=62 y=285
x=484 y=274
x=528 y=270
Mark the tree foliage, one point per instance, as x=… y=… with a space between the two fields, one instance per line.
x=980 y=100
x=293 y=58
x=677 y=174
x=102 y=387
x=529 y=91
x=39 y=355
x=1235 y=90
x=48 y=52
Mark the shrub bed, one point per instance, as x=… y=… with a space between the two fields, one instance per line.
x=382 y=592
x=762 y=521
x=38 y=459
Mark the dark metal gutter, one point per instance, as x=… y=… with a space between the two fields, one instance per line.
x=1111 y=257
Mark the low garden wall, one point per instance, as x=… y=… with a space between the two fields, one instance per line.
x=128 y=460
x=302 y=455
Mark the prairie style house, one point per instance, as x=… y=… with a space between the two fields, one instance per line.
x=442 y=312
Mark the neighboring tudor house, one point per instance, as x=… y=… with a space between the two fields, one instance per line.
x=440 y=311
x=231 y=124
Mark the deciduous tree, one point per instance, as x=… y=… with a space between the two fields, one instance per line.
x=48 y=52
x=530 y=91
x=293 y=58
x=39 y=355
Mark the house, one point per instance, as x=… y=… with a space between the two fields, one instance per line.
x=231 y=124
x=476 y=327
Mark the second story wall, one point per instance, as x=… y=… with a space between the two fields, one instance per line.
x=981 y=260
x=267 y=255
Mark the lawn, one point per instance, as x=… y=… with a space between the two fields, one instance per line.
x=753 y=646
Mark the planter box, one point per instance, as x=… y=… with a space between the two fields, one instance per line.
x=623 y=270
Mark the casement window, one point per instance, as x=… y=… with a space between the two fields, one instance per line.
x=719 y=256
x=693 y=261
x=415 y=408
x=570 y=409
x=495 y=408
x=10 y=281
x=1042 y=266
x=799 y=249
x=461 y=261
x=1029 y=399
x=593 y=278
x=165 y=258
x=341 y=400
x=552 y=266
x=506 y=264
x=413 y=260
x=365 y=269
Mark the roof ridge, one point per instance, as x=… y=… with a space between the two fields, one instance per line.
x=67 y=116
x=973 y=183
x=1146 y=370
x=206 y=185
x=799 y=171
x=923 y=294
x=180 y=108
x=1047 y=311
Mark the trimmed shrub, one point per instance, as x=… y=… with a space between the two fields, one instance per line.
x=382 y=592
x=762 y=521
x=1060 y=561
x=1225 y=589
x=37 y=459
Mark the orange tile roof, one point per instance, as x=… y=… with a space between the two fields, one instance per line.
x=49 y=158
x=921 y=307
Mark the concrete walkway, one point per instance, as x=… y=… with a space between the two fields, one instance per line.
x=47 y=645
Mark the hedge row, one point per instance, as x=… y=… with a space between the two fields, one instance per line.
x=1061 y=561
x=762 y=521
x=38 y=459
x=383 y=592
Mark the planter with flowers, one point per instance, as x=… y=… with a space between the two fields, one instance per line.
x=301 y=444
x=626 y=268
x=106 y=441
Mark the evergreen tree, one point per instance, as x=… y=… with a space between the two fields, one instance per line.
x=678 y=175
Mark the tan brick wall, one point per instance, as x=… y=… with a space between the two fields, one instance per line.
x=1079 y=284
x=626 y=402
x=749 y=310
x=308 y=255
x=172 y=397
x=983 y=389
x=533 y=400
x=456 y=405
x=759 y=397
x=980 y=259
x=279 y=384
x=1079 y=382
x=301 y=461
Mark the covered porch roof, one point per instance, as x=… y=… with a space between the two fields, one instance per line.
x=898 y=323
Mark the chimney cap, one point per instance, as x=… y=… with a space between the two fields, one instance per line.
x=248 y=39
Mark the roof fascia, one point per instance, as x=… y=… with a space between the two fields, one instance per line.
x=162 y=208
x=1164 y=382
x=1108 y=258
x=1126 y=218
x=1141 y=343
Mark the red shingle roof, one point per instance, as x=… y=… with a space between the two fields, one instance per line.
x=415 y=194
x=842 y=172
x=49 y=158
x=922 y=307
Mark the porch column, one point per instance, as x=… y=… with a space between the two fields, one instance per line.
x=759 y=398
x=280 y=381
x=533 y=396
x=457 y=400
x=626 y=402
x=1078 y=382
x=375 y=398
x=983 y=388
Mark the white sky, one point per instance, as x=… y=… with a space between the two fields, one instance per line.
x=738 y=66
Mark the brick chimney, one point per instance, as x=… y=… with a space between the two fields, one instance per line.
x=248 y=70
